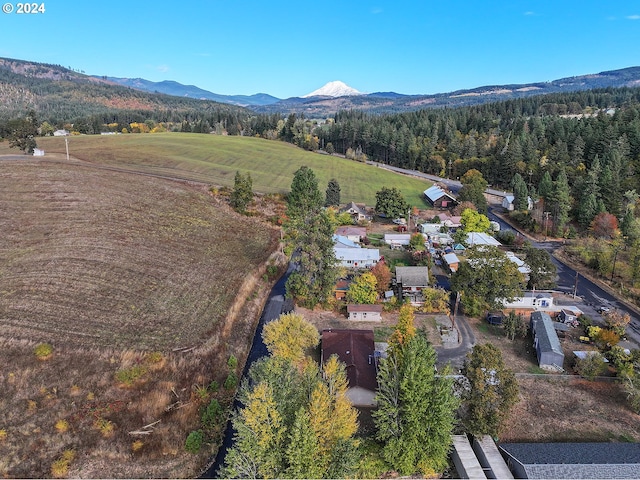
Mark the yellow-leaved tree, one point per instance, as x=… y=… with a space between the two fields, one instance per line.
x=289 y=337
x=405 y=329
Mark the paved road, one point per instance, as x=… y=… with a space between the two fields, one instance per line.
x=455 y=356
x=276 y=304
x=591 y=294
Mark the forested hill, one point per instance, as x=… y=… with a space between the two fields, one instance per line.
x=390 y=102
x=60 y=95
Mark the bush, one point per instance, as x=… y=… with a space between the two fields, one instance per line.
x=591 y=366
x=62 y=426
x=213 y=387
x=231 y=381
x=194 y=441
x=129 y=376
x=43 y=351
x=232 y=362
x=211 y=414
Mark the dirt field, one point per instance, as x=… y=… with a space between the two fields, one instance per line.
x=118 y=272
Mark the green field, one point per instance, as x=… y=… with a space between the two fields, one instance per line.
x=215 y=159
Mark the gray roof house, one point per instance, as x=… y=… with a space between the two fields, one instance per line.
x=411 y=281
x=572 y=460
x=546 y=341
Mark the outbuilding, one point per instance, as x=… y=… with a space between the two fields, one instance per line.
x=364 y=313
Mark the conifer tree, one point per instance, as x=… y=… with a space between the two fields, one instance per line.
x=332 y=198
x=242 y=193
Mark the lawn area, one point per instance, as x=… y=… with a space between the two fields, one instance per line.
x=215 y=159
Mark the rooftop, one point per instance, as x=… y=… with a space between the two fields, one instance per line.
x=356 y=349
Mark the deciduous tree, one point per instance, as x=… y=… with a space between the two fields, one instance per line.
x=363 y=289
x=391 y=203
x=473 y=187
x=492 y=392
x=383 y=276
x=605 y=225
x=473 y=221
x=289 y=337
x=486 y=276
x=542 y=271
x=23 y=132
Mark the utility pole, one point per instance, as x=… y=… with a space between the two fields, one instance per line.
x=546 y=222
x=66 y=144
x=613 y=269
x=575 y=286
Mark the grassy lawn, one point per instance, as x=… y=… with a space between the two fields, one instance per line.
x=215 y=159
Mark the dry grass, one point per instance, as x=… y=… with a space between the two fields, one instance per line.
x=115 y=271
x=560 y=408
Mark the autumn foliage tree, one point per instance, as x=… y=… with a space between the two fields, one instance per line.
x=289 y=337
x=604 y=225
x=296 y=420
x=383 y=276
x=363 y=289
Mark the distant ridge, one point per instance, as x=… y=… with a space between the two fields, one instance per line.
x=170 y=87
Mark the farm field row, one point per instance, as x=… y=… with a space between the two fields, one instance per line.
x=215 y=159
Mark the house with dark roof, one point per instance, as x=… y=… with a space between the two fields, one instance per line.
x=358 y=212
x=438 y=198
x=356 y=349
x=546 y=341
x=572 y=460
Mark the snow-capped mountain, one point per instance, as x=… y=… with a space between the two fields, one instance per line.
x=334 y=89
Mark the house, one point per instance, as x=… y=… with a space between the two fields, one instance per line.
x=38 y=152
x=358 y=212
x=450 y=221
x=481 y=238
x=344 y=242
x=61 y=133
x=531 y=301
x=507 y=203
x=355 y=234
x=440 y=239
x=438 y=198
x=410 y=281
x=397 y=239
x=364 y=313
x=546 y=341
x=572 y=460
x=428 y=228
x=356 y=349
x=452 y=261
x=523 y=268
x=357 y=257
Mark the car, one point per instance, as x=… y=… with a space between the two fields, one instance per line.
x=603 y=309
x=399 y=221
x=495 y=318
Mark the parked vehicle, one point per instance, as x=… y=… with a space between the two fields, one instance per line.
x=495 y=318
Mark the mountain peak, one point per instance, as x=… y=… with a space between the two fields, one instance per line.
x=333 y=89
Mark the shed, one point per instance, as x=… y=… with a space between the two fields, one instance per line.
x=356 y=349
x=364 y=313
x=452 y=261
x=567 y=316
x=546 y=341
x=38 y=152
x=572 y=460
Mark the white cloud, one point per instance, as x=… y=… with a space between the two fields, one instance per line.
x=163 y=68
x=633 y=17
x=529 y=13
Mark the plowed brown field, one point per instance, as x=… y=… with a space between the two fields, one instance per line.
x=107 y=266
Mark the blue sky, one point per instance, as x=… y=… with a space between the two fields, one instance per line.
x=290 y=48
